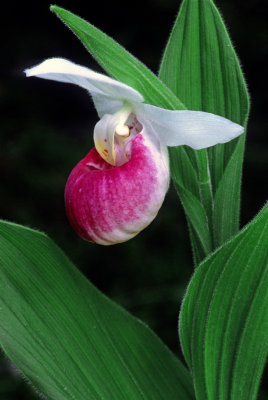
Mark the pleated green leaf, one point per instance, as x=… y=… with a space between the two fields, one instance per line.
x=67 y=338
x=224 y=317
x=200 y=66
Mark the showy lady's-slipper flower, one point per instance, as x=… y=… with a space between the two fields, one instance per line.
x=118 y=188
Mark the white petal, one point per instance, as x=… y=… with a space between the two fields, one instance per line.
x=59 y=69
x=196 y=129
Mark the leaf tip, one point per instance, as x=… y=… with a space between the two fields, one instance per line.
x=54 y=8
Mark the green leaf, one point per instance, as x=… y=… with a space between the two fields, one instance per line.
x=226 y=212
x=118 y=62
x=198 y=220
x=186 y=180
x=67 y=338
x=200 y=66
x=224 y=317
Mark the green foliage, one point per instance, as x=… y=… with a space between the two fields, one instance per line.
x=68 y=339
x=224 y=317
x=200 y=66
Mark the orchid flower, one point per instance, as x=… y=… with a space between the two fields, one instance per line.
x=118 y=188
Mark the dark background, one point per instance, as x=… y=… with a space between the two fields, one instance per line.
x=46 y=128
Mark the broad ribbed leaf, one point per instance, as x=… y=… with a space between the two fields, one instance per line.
x=224 y=317
x=68 y=339
x=200 y=66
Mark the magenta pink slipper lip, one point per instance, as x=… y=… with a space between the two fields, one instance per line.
x=107 y=204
